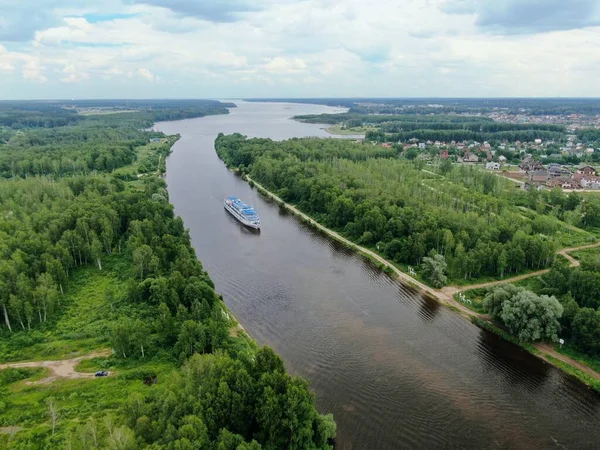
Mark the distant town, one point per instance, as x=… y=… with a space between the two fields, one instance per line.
x=533 y=164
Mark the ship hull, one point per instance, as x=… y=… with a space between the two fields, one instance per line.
x=240 y=218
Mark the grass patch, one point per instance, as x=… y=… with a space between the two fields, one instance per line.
x=339 y=130
x=14 y=375
x=589 y=258
x=151 y=158
x=476 y=297
x=590 y=361
x=94 y=365
x=77 y=400
x=534 y=284
x=88 y=310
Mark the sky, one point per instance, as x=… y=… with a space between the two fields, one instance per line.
x=298 y=48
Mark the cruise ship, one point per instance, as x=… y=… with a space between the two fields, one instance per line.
x=242 y=212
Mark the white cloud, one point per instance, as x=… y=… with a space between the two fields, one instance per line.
x=285 y=65
x=32 y=70
x=145 y=73
x=6 y=65
x=296 y=47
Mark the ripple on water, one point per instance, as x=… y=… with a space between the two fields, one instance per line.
x=397 y=370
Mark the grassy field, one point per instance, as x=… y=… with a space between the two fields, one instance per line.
x=589 y=257
x=26 y=404
x=476 y=297
x=151 y=158
x=337 y=129
x=92 y=300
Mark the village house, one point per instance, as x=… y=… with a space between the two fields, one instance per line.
x=444 y=154
x=470 y=157
x=386 y=145
x=422 y=145
x=538 y=176
x=502 y=158
x=556 y=170
x=529 y=165
x=492 y=166
x=564 y=183
x=586 y=170
x=590 y=182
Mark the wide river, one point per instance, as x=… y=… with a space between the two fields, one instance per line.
x=395 y=369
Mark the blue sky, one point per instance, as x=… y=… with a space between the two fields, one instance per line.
x=298 y=48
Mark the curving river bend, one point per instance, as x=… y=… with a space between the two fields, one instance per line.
x=397 y=370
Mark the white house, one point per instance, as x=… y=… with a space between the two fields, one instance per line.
x=422 y=145
x=590 y=182
x=492 y=166
x=502 y=158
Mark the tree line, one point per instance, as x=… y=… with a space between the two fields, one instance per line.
x=223 y=397
x=64 y=143
x=389 y=203
x=458 y=135
x=52 y=114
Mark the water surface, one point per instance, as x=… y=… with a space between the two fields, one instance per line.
x=396 y=369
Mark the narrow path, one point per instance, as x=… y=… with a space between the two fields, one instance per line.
x=59 y=369
x=446 y=294
x=503 y=281
x=564 y=252
x=548 y=350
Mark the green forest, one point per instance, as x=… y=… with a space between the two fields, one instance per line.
x=453 y=224
x=531 y=106
x=481 y=225
x=93 y=261
x=562 y=303
x=446 y=128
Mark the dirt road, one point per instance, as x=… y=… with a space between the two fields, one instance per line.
x=564 y=252
x=59 y=369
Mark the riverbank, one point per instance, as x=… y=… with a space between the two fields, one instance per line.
x=445 y=296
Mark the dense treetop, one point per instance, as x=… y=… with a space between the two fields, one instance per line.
x=471 y=217
x=65 y=210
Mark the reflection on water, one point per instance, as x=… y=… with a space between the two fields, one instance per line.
x=396 y=368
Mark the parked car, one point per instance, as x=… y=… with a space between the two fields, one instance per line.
x=101 y=373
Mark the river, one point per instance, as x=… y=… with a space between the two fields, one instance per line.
x=397 y=370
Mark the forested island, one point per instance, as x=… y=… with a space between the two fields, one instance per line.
x=450 y=225
x=98 y=274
